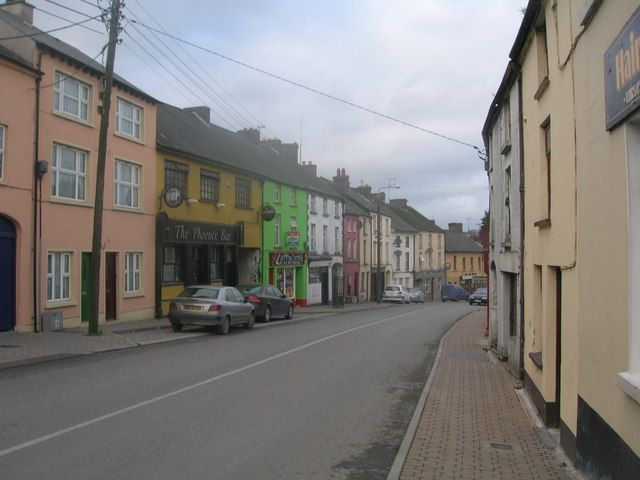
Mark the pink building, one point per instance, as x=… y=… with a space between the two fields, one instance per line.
x=66 y=128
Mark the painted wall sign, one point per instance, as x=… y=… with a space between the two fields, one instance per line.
x=622 y=73
x=173 y=196
x=197 y=232
x=283 y=259
x=293 y=239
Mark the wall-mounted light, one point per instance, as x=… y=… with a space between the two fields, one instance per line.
x=191 y=201
x=220 y=205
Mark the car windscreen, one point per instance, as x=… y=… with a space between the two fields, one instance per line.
x=199 y=292
x=481 y=291
x=251 y=289
x=392 y=289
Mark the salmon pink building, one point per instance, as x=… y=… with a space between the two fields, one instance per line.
x=61 y=178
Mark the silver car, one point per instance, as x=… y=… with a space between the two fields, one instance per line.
x=417 y=295
x=207 y=306
x=395 y=293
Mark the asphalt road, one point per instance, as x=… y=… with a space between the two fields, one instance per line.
x=320 y=398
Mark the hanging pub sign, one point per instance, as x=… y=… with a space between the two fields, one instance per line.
x=173 y=196
x=267 y=212
x=293 y=239
x=285 y=259
x=622 y=73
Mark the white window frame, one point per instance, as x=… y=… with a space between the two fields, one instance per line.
x=81 y=156
x=134 y=186
x=57 y=280
x=3 y=136
x=629 y=381
x=133 y=272
x=292 y=197
x=325 y=206
x=83 y=99
x=312 y=204
x=136 y=123
x=277 y=192
x=312 y=237
x=337 y=239
x=276 y=230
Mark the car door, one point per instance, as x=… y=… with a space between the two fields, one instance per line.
x=274 y=300
x=231 y=304
x=282 y=303
x=244 y=307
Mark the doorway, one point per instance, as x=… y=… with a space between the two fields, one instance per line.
x=7 y=274
x=197 y=269
x=324 y=278
x=86 y=286
x=111 y=285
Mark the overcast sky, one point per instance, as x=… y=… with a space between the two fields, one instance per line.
x=432 y=63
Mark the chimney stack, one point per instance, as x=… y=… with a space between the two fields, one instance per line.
x=19 y=9
x=203 y=112
x=341 y=180
x=398 y=202
x=311 y=168
x=252 y=134
x=288 y=151
x=455 y=227
x=365 y=191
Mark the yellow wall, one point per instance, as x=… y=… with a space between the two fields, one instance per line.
x=456 y=271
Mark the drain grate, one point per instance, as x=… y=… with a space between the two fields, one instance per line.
x=501 y=446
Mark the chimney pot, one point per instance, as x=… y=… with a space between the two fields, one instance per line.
x=19 y=9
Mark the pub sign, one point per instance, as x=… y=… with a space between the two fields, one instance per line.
x=622 y=73
x=285 y=259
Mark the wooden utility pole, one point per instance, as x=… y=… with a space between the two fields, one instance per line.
x=114 y=25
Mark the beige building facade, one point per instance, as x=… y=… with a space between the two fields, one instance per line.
x=579 y=64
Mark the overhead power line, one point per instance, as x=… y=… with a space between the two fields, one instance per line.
x=67 y=20
x=310 y=89
x=26 y=35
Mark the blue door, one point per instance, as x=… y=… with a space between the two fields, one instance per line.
x=7 y=274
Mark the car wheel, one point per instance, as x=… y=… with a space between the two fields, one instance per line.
x=176 y=326
x=267 y=314
x=289 y=314
x=252 y=321
x=226 y=325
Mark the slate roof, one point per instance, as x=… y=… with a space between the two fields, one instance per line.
x=72 y=54
x=414 y=218
x=185 y=133
x=6 y=53
x=455 y=242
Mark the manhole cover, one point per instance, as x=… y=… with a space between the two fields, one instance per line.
x=501 y=446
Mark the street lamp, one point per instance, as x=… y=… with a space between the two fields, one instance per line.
x=379 y=238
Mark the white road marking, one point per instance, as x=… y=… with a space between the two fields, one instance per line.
x=102 y=418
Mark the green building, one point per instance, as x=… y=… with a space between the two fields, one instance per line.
x=284 y=240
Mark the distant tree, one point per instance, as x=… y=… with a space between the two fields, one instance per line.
x=485 y=219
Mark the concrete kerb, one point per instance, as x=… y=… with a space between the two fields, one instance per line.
x=403 y=451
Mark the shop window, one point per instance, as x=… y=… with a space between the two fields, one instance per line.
x=3 y=129
x=132 y=267
x=209 y=185
x=243 y=193
x=215 y=263
x=69 y=172
x=58 y=276
x=128 y=119
x=172 y=264
x=71 y=97
x=314 y=275
x=175 y=175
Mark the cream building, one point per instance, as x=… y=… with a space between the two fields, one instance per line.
x=579 y=62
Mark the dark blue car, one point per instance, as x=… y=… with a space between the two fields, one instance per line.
x=453 y=293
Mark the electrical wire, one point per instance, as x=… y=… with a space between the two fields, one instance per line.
x=67 y=20
x=72 y=9
x=310 y=89
x=26 y=35
x=63 y=77
x=258 y=122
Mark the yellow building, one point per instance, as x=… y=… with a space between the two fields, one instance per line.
x=463 y=259
x=579 y=64
x=208 y=227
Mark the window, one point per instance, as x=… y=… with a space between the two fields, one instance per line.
x=132 y=263
x=505 y=128
x=406 y=261
x=215 y=263
x=420 y=242
x=439 y=259
x=439 y=241
x=127 y=184
x=507 y=204
x=542 y=53
x=430 y=243
x=337 y=239
x=243 y=193
x=69 y=170
x=431 y=260
x=172 y=264
x=325 y=206
x=336 y=213
x=464 y=263
x=472 y=263
x=71 y=96
x=3 y=129
x=312 y=204
x=277 y=193
x=209 y=185
x=59 y=276
x=128 y=119
x=292 y=197
x=276 y=230
x=175 y=175
x=397 y=262
x=293 y=222
x=312 y=237
x=325 y=240
x=406 y=241
x=545 y=170
x=455 y=262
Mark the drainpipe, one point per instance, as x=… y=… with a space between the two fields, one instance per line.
x=522 y=225
x=37 y=206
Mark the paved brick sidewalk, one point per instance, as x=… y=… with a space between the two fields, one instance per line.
x=473 y=426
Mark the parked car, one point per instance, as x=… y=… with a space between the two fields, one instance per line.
x=417 y=295
x=453 y=293
x=207 y=306
x=396 y=293
x=479 y=297
x=267 y=300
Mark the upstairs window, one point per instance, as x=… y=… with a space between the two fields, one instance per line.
x=127 y=184
x=71 y=97
x=312 y=204
x=243 y=193
x=292 y=197
x=128 y=119
x=209 y=185
x=276 y=193
x=325 y=206
x=175 y=175
x=69 y=171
